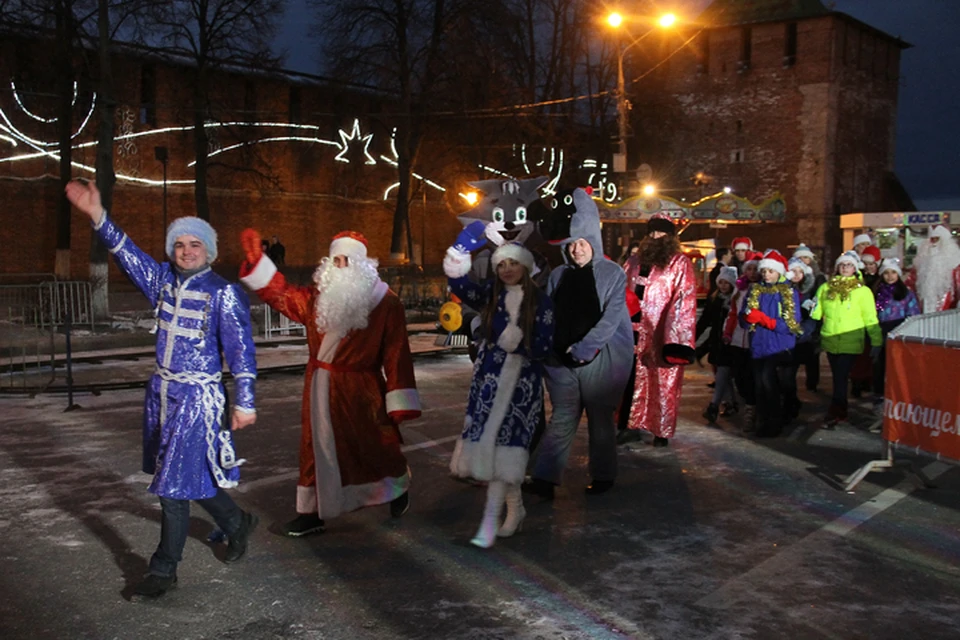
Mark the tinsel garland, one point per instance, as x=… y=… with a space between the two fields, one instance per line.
x=787 y=310
x=842 y=286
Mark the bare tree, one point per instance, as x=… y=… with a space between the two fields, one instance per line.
x=214 y=35
x=398 y=46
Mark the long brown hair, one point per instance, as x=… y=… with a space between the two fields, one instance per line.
x=528 y=308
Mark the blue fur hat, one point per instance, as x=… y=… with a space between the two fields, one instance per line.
x=193 y=226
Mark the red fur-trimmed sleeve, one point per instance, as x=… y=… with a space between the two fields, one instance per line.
x=402 y=400
x=267 y=282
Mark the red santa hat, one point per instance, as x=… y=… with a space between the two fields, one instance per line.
x=863 y=237
x=350 y=244
x=752 y=258
x=774 y=260
x=870 y=254
x=742 y=243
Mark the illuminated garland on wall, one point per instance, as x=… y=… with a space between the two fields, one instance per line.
x=551 y=160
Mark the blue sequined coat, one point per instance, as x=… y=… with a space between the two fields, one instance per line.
x=198 y=318
x=506 y=392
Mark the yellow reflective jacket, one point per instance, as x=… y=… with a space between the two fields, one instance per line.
x=848 y=310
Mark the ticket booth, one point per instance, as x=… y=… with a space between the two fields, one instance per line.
x=896 y=234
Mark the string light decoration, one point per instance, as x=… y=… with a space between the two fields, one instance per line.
x=600 y=181
x=550 y=158
x=353 y=136
x=16 y=96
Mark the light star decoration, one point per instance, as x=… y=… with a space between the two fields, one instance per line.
x=354 y=136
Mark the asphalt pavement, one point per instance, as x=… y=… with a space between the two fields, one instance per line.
x=716 y=536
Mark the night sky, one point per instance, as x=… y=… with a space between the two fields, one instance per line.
x=928 y=125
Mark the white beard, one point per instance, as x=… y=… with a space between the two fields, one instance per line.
x=935 y=264
x=346 y=295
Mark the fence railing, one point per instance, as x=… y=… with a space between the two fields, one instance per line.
x=45 y=304
x=275 y=324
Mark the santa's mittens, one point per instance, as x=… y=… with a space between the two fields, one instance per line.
x=510 y=339
x=250 y=240
x=679 y=354
x=456 y=263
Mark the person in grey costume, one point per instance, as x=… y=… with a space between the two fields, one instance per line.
x=593 y=348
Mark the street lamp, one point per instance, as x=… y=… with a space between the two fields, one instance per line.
x=615 y=20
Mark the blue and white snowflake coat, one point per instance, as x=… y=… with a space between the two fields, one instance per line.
x=199 y=317
x=506 y=393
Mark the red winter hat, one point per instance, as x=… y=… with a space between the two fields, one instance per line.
x=742 y=243
x=350 y=244
x=774 y=260
x=870 y=254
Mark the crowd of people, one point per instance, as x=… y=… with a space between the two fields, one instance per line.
x=768 y=316
x=603 y=338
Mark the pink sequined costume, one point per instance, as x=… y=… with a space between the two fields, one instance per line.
x=667 y=325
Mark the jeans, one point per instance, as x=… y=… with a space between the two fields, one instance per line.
x=175 y=524
x=840 y=365
x=723 y=389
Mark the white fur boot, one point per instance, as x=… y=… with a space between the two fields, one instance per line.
x=487 y=533
x=515 y=512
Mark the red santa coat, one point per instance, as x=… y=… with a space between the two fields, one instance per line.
x=357 y=389
x=669 y=317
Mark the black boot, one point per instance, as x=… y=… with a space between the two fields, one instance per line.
x=711 y=412
x=400 y=505
x=237 y=546
x=660 y=442
x=154 y=586
x=538 y=487
x=598 y=486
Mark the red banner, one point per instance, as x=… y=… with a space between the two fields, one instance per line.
x=921 y=406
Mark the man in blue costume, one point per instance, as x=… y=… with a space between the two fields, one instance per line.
x=199 y=316
x=593 y=346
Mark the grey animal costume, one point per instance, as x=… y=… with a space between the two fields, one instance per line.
x=586 y=372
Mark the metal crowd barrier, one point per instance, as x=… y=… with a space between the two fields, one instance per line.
x=941 y=328
x=276 y=324
x=46 y=304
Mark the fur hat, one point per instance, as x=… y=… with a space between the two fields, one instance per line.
x=797 y=263
x=803 y=251
x=774 y=260
x=728 y=274
x=350 y=244
x=514 y=251
x=941 y=232
x=193 y=226
x=849 y=257
x=890 y=264
x=741 y=243
x=660 y=222
x=863 y=237
x=870 y=254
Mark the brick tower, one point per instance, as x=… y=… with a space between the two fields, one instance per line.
x=767 y=96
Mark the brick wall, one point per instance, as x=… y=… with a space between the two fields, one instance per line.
x=819 y=128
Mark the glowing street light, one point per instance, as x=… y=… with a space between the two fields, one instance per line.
x=615 y=20
x=649 y=190
x=470 y=197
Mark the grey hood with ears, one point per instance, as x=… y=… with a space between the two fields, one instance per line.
x=585 y=224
